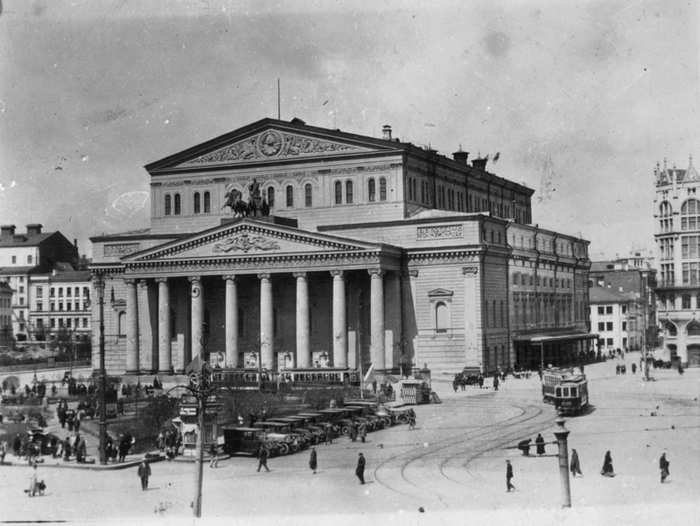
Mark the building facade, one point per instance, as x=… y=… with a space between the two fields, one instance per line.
x=24 y=256
x=362 y=251
x=677 y=234
x=618 y=318
x=6 y=293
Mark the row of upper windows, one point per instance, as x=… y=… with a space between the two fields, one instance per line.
x=67 y=322
x=350 y=190
x=690 y=215
x=60 y=304
x=30 y=260
x=522 y=279
x=602 y=311
x=5 y=303
x=69 y=292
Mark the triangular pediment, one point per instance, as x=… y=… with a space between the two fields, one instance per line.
x=247 y=238
x=268 y=141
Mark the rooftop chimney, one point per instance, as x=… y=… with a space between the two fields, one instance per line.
x=75 y=242
x=7 y=230
x=460 y=156
x=34 y=229
x=480 y=163
x=386 y=130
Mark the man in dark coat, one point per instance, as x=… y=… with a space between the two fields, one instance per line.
x=360 y=470
x=575 y=464
x=262 y=456
x=312 y=460
x=663 y=465
x=144 y=472
x=495 y=382
x=540 y=444
x=509 y=475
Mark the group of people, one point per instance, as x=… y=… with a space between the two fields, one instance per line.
x=524 y=445
x=383 y=388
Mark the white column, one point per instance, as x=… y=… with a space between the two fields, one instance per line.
x=132 y=328
x=376 y=349
x=340 y=322
x=165 y=362
x=231 y=321
x=197 y=313
x=473 y=320
x=303 y=351
x=266 y=322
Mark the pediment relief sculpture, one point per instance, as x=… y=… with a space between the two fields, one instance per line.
x=271 y=144
x=244 y=243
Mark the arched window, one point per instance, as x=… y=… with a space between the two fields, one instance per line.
x=382 y=189
x=290 y=196
x=671 y=329
x=348 y=192
x=338 y=193
x=196 y=203
x=177 y=204
x=168 y=200
x=693 y=328
x=442 y=322
x=665 y=209
x=689 y=214
x=207 y=203
x=271 y=197
x=121 y=324
x=371 y=190
x=308 y=196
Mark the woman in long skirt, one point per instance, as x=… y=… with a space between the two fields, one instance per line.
x=607 y=470
x=312 y=459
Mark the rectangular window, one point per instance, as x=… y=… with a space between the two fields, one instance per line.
x=53 y=323
x=29 y=260
x=624 y=309
x=515 y=279
x=68 y=323
x=21 y=290
x=601 y=326
x=60 y=305
x=39 y=292
x=60 y=292
x=53 y=292
x=39 y=307
x=608 y=309
x=85 y=323
x=68 y=292
x=14 y=259
x=610 y=342
x=609 y=326
x=77 y=305
x=68 y=305
x=601 y=311
x=86 y=292
x=624 y=325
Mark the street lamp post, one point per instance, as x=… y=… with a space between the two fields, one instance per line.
x=562 y=433
x=100 y=286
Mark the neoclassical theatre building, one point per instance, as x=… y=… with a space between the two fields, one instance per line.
x=356 y=251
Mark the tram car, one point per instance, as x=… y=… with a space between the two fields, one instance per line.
x=568 y=391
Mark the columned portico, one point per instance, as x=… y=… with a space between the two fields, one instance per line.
x=377 y=347
x=197 y=295
x=231 y=324
x=132 y=328
x=266 y=322
x=340 y=324
x=164 y=343
x=302 y=311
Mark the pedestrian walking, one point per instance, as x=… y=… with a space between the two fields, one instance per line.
x=329 y=434
x=362 y=432
x=214 y=453
x=575 y=465
x=161 y=441
x=360 y=470
x=353 y=431
x=634 y=368
x=524 y=446
x=481 y=381
x=663 y=465
x=411 y=420
x=262 y=459
x=509 y=476
x=313 y=460
x=607 y=470
x=540 y=444
x=144 y=472
x=495 y=382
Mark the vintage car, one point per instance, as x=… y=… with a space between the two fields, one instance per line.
x=375 y=408
x=295 y=440
x=317 y=420
x=248 y=440
x=298 y=426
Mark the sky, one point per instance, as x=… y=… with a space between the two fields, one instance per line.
x=581 y=99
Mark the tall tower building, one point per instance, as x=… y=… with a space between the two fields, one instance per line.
x=677 y=234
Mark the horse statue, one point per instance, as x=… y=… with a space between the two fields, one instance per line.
x=235 y=203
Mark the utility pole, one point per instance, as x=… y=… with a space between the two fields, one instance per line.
x=562 y=433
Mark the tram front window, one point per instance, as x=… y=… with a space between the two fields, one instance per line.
x=574 y=394
x=566 y=392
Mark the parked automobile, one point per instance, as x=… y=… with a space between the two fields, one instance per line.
x=248 y=440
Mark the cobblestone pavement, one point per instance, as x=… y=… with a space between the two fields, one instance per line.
x=452 y=466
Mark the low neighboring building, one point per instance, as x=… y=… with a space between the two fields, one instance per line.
x=60 y=310
x=618 y=318
x=23 y=256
